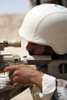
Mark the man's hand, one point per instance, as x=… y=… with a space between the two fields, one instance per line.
x=23 y=75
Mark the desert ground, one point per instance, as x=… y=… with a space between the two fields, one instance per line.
x=9 y=26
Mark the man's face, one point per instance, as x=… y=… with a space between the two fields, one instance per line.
x=36 y=49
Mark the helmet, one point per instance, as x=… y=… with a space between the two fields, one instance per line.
x=46 y=24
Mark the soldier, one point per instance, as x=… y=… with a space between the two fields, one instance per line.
x=44 y=26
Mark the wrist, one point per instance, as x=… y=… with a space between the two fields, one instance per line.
x=37 y=79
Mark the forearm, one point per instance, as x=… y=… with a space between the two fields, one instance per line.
x=46 y=83
x=37 y=79
x=23 y=75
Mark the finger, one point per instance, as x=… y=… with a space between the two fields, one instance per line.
x=14 y=74
x=15 y=85
x=15 y=79
x=10 y=68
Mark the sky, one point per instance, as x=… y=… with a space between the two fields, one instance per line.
x=13 y=6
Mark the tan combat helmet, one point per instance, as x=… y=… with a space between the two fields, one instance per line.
x=47 y=25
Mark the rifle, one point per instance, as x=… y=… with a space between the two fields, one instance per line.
x=9 y=59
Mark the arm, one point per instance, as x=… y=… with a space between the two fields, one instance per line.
x=22 y=75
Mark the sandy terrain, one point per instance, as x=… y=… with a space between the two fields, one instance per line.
x=9 y=25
